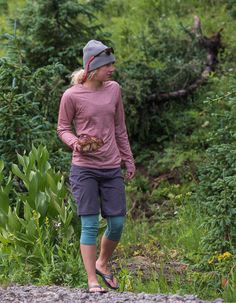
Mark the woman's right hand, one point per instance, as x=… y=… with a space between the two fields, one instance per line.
x=82 y=149
x=77 y=147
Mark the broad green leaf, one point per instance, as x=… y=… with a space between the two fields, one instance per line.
x=33 y=188
x=21 y=160
x=26 y=239
x=4 y=201
x=1 y=166
x=27 y=211
x=63 y=213
x=68 y=232
x=3 y=219
x=13 y=223
x=18 y=173
x=69 y=217
x=51 y=182
x=41 y=204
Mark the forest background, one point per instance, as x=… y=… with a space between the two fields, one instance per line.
x=180 y=234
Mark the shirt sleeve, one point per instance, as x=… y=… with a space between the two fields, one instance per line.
x=65 y=118
x=122 y=136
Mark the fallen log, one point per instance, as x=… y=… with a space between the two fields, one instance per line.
x=212 y=45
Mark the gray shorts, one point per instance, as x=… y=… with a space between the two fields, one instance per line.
x=98 y=190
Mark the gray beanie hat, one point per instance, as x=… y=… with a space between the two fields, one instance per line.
x=96 y=54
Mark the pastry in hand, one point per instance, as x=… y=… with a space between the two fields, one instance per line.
x=89 y=143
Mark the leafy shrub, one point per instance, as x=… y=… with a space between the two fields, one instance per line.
x=21 y=122
x=29 y=105
x=40 y=230
x=217 y=198
x=216 y=192
x=55 y=32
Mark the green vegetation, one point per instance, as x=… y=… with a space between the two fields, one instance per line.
x=39 y=232
x=180 y=229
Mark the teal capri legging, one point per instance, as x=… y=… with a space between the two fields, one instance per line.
x=90 y=225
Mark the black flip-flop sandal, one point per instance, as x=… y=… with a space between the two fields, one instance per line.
x=106 y=277
x=101 y=291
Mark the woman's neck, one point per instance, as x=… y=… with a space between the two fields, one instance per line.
x=93 y=84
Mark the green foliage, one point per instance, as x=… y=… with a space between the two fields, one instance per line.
x=21 y=120
x=217 y=179
x=26 y=107
x=56 y=31
x=175 y=242
x=155 y=199
x=174 y=158
x=231 y=8
x=229 y=294
x=29 y=104
x=217 y=192
x=157 y=53
x=40 y=230
x=3 y=6
x=144 y=76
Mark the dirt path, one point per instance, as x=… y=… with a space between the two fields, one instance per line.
x=51 y=294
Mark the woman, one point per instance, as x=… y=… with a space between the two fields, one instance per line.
x=100 y=143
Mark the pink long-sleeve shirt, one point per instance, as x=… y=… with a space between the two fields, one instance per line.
x=97 y=113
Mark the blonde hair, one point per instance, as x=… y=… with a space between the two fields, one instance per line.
x=77 y=77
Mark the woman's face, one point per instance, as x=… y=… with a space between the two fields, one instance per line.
x=105 y=72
